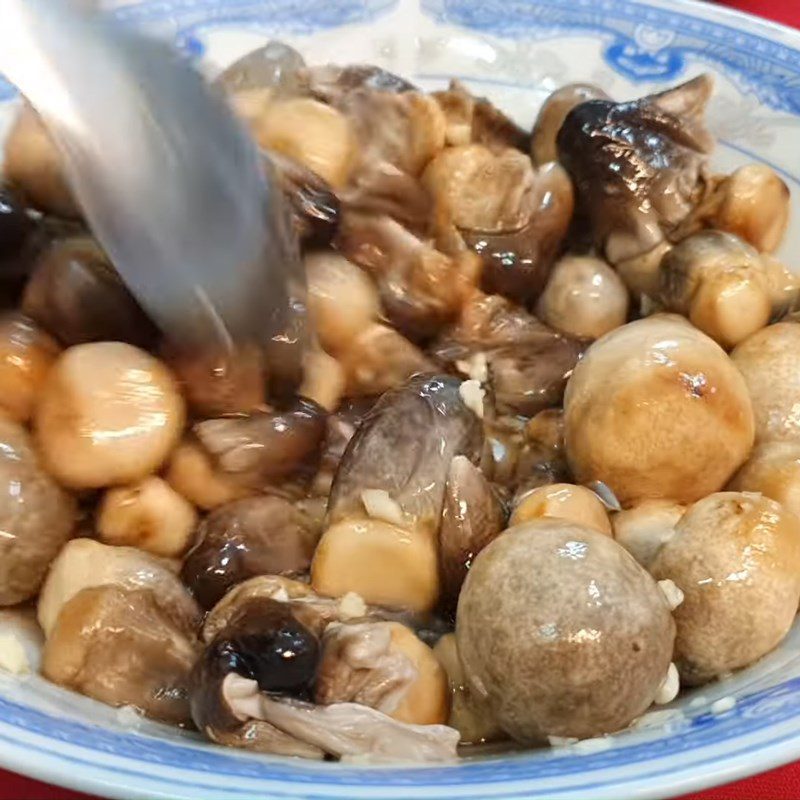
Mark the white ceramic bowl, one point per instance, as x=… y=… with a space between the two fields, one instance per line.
x=516 y=52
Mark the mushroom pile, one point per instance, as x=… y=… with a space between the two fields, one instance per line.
x=542 y=469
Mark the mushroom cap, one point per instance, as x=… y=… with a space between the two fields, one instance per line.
x=36 y=516
x=769 y=360
x=121 y=647
x=656 y=409
x=263 y=535
x=577 y=646
x=84 y=563
x=773 y=470
x=736 y=558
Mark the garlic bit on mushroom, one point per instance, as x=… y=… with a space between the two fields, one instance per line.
x=736 y=558
x=404 y=446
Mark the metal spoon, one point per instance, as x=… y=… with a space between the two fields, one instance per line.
x=170 y=183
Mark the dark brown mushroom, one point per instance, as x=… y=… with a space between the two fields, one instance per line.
x=471 y=518
x=528 y=363
x=638 y=167
x=76 y=294
x=265 y=447
x=255 y=536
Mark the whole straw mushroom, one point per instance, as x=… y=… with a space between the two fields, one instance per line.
x=736 y=559
x=625 y=399
x=577 y=647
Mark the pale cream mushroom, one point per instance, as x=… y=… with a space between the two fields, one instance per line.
x=769 y=360
x=27 y=354
x=563 y=501
x=108 y=414
x=120 y=646
x=150 y=515
x=33 y=163
x=754 y=203
x=646 y=527
x=773 y=470
x=469 y=714
x=192 y=473
x=584 y=298
x=736 y=558
x=656 y=409
x=719 y=282
x=342 y=299
x=317 y=135
x=324 y=379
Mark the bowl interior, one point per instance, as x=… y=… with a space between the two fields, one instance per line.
x=515 y=52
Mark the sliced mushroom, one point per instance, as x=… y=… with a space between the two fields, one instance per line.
x=27 y=354
x=401 y=451
x=108 y=414
x=583 y=298
x=345 y=730
x=33 y=163
x=528 y=363
x=254 y=536
x=471 y=518
x=718 y=282
x=260 y=449
x=552 y=115
x=120 y=646
x=36 y=516
x=76 y=294
x=84 y=563
x=314 y=204
x=385 y=666
x=330 y=82
x=638 y=167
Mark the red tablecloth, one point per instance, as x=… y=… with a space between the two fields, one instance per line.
x=780 y=784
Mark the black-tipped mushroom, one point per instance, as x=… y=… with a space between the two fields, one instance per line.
x=263 y=448
x=254 y=536
x=638 y=167
x=386 y=503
